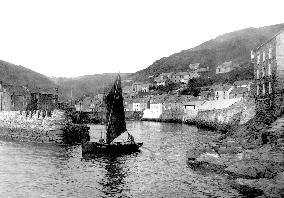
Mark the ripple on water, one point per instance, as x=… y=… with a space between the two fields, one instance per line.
x=159 y=170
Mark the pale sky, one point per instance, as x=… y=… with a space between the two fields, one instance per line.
x=68 y=38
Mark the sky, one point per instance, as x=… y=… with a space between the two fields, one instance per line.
x=68 y=38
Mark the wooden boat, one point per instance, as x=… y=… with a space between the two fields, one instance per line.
x=115 y=126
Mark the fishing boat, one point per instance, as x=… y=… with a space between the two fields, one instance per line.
x=115 y=126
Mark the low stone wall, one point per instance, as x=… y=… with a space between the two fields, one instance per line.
x=224 y=119
x=35 y=127
x=133 y=115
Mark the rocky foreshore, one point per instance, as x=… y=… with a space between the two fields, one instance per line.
x=252 y=156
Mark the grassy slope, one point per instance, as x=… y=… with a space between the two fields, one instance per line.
x=19 y=75
x=234 y=46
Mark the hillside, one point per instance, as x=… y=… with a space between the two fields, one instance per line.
x=234 y=46
x=88 y=85
x=19 y=75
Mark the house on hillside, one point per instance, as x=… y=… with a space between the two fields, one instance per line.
x=145 y=87
x=239 y=92
x=140 y=104
x=128 y=105
x=269 y=75
x=137 y=87
x=243 y=83
x=99 y=97
x=224 y=67
x=127 y=90
x=206 y=95
x=163 y=76
x=170 y=103
x=156 y=107
x=162 y=82
x=193 y=105
x=203 y=69
x=180 y=77
x=194 y=66
x=193 y=75
x=222 y=91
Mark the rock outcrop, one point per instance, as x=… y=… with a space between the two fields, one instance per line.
x=252 y=157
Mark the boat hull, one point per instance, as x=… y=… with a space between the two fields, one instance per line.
x=114 y=148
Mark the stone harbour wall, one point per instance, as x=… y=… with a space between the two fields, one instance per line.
x=36 y=126
x=224 y=119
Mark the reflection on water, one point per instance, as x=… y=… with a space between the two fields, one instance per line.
x=159 y=170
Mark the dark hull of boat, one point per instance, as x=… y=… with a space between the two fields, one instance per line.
x=116 y=148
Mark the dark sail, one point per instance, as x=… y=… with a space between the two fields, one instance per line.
x=115 y=117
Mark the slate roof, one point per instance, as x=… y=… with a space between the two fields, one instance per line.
x=239 y=90
x=194 y=103
x=224 y=87
x=242 y=82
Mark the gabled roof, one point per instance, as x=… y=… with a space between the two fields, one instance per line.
x=17 y=90
x=259 y=46
x=226 y=64
x=158 y=99
x=242 y=82
x=180 y=74
x=140 y=100
x=161 y=80
x=194 y=103
x=224 y=87
x=137 y=83
x=146 y=84
x=205 y=93
x=239 y=90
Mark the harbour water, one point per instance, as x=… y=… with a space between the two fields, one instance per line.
x=159 y=170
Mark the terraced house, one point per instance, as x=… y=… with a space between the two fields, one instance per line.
x=268 y=60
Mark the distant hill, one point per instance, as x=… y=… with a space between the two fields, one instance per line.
x=18 y=75
x=88 y=85
x=234 y=46
x=81 y=87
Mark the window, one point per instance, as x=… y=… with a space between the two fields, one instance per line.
x=251 y=55
x=257 y=90
x=270 y=53
x=263 y=89
x=263 y=71
x=269 y=69
x=270 y=88
x=258 y=58
x=263 y=56
x=257 y=74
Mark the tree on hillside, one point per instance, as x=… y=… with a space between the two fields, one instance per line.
x=193 y=87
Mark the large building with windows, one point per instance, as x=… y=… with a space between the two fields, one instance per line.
x=268 y=60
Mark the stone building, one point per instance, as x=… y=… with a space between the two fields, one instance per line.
x=145 y=87
x=180 y=77
x=20 y=97
x=5 y=98
x=239 y=92
x=140 y=104
x=43 y=99
x=224 y=67
x=222 y=91
x=137 y=87
x=268 y=60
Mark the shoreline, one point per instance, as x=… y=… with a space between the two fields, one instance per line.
x=252 y=156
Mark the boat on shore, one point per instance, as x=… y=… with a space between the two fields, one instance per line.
x=115 y=126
